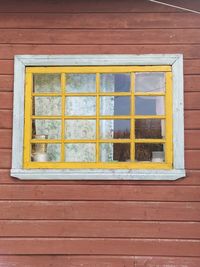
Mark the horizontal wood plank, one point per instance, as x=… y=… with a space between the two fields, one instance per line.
x=192 y=119
x=100 y=192
x=77 y=246
x=192 y=100
x=63 y=261
x=97 y=261
x=5 y=138
x=5 y=159
x=5 y=119
x=192 y=140
x=98 y=20
x=88 y=6
x=6 y=100
x=62 y=36
x=103 y=229
x=166 y=261
x=100 y=210
x=7 y=51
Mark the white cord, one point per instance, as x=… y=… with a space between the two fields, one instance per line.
x=178 y=7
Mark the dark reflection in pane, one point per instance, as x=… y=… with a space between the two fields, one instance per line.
x=150 y=82
x=150 y=128
x=149 y=105
x=149 y=152
x=115 y=105
x=118 y=82
x=110 y=129
x=114 y=152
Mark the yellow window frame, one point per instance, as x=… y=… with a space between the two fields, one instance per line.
x=168 y=141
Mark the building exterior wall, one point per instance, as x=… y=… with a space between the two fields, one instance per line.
x=100 y=223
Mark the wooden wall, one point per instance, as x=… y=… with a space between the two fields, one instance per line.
x=100 y=224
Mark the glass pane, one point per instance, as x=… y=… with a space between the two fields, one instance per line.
x=149 y=105
x=115 y=82
x=46 y=83
x=110 y=129
x=80 y=106
x=46 y=106
x=45 y=152
x=115 y=105
x=50 y=128
x=114 y=152
x=81 y=83
x=150 y=82
x=149 y=152
x=80 y=129
x=80 y=152
x=150 y=128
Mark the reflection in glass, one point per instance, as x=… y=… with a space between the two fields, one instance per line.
x=51 y=128
x=149 y=128
x=47 y=106
x=80 y=106
x=80 y=152
x=118 y=82
x=110 y=129
x=80 y=129
x=149 y=152
x=115 y=105
x=149 y=105
x=150 y=82
x=80 y=83
x=46 y=83
x=45 y=152
x=114 y=152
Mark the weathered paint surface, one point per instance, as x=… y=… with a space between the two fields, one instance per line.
x=100 y=223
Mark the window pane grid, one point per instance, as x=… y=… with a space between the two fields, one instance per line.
x=98 y=117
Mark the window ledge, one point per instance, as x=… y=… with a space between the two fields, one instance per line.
x=88 y=174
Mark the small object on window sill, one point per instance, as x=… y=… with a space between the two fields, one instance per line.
x=40 y=151
x=157 y=156
x=40 y=157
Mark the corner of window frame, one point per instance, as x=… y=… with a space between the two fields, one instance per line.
x=173 y=60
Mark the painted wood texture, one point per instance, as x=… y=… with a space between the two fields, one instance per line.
x=100 y=223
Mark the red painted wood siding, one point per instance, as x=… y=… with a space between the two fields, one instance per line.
x=99 y=223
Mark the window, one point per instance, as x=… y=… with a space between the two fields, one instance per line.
x=98 y=117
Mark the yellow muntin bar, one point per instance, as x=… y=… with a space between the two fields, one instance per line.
x=46 y=117
x=169 y=121
x=132 y=129
x=97 y=116
x=45 y=141
x=63 y=85
x=149 y=116
x=27 y=121
x=150 y=94
x=150 y=141
x=99 y=165
x=46 y=94
x=99 y=69
x=101 y=94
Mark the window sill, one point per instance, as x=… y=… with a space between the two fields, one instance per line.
x=96 y=174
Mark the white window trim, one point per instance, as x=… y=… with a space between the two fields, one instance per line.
x=23 y=61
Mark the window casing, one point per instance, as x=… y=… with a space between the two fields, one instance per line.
x=133 y=167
